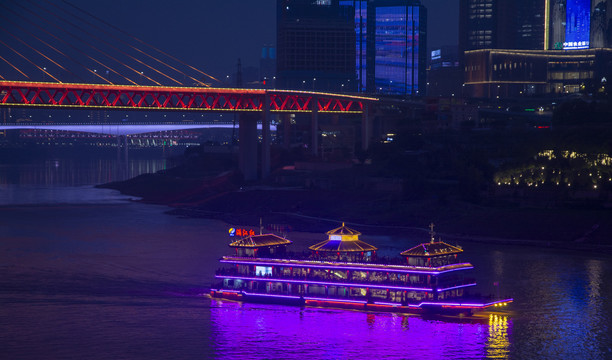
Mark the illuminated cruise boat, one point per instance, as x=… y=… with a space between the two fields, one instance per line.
x=343 y=271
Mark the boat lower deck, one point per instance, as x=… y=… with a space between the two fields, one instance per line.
x=465 y=306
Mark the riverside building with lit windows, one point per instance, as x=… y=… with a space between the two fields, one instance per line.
x=506 y=73
x=344 y=271
x=513 y=48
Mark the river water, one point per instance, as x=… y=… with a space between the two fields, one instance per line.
x=91 y=274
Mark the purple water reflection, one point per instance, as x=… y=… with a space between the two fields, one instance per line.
x=247 y=331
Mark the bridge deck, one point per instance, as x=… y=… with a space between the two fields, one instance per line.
x=68 y=95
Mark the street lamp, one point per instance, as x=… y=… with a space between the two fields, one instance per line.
x=313 y=83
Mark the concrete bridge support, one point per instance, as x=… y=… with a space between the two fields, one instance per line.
x=314 y=128
x=366 y=128
x=286 y=122
x=266 y=138
x=247 y=137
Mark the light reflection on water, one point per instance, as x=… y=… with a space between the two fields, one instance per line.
x=498 y=343
x=50 y=181
x=76 y=172
x=245 y=331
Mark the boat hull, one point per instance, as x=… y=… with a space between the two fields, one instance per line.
x=425 y=308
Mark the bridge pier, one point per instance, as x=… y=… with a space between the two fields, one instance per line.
x=314 y=126
x=247 y=137
x=286 y=122
x=265 y=138
x=366 y=128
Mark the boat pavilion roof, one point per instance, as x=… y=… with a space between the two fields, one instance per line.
x=432 y=249
x=256 y=241
x=343 y=239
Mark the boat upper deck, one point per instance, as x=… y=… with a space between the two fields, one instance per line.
x=340 y=265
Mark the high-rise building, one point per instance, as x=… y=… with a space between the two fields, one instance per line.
x=477 y=24
x=535 y=24
x=267 y=66
x=360 y=9
x=528 y=25
x=510 y=47
x=374 y=46
x=502 y=24
x=444 y=75
x=391 y=46
x=315 y=45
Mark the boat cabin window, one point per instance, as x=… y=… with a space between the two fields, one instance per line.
x=263 y=270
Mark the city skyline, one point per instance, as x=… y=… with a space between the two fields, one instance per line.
x=230 y=43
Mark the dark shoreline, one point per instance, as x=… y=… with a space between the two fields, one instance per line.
x=315 y=210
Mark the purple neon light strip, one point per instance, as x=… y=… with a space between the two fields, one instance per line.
x=334 y=299
x=456 y=287
x=499 y=301
x=450 y=304
x=466 y=266
x=322 y=283
x=386 y=303
x=465 y=304
x=379 y=303
x=226 y=290
x=272 y=295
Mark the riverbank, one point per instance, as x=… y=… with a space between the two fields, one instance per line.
x=317 y=210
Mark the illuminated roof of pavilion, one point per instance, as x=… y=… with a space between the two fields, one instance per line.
x=343 y=239
x=343 y=230
x=432 y=249
x=255 y=241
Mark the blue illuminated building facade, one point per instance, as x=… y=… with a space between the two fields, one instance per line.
x=578 y=24
x=391 y=46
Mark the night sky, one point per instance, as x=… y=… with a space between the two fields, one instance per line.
x=212 y=35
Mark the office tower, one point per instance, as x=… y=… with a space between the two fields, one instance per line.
x=315 y=45
x=391 y=46
x=502 y=24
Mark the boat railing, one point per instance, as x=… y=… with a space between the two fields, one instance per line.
x=332 y=279
x=307 y=257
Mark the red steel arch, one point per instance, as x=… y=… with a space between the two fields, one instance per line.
x=125 y=97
